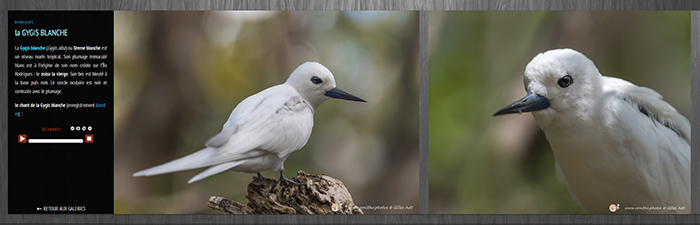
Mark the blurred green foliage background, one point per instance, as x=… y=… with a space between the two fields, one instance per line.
x=178 y=76
x=504 y=165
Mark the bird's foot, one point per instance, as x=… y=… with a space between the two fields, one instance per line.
x=286 y=179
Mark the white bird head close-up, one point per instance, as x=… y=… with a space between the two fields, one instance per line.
x=315 y=83
x=265 y=128
x=613 y=142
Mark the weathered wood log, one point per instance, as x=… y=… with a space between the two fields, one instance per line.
x=319 y=194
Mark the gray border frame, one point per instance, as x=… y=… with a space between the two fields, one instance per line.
x=413 y=5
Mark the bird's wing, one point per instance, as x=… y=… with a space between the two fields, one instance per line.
x=286 y=130
x=273 y=121
x=662 y=143
x=256 y=108
x=652 y=105
x=251 y=107
x=278 y=122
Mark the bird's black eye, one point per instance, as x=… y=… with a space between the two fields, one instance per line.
x=565 y=81
x=316 y=80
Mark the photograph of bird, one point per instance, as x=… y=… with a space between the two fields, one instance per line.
x=613 y=142
x=265 y=128
x=179 y=75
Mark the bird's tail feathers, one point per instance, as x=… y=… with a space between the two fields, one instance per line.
x=214 y=170
x=195 y=160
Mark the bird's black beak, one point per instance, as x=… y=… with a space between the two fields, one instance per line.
x=531 y=102
x=340 y=94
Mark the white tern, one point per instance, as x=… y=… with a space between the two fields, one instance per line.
x=265 y=128
x=613 y=142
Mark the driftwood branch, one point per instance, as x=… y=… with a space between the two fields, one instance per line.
x=319 y=194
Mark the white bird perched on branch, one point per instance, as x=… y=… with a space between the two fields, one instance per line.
x=613 y=142
x=265 y=128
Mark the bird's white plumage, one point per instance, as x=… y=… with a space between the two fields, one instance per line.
x=613 y=142
x=263 y=130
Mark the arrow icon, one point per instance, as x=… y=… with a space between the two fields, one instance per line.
x=22 y=138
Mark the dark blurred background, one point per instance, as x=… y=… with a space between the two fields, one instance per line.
x=504 y=165
x=178 y=76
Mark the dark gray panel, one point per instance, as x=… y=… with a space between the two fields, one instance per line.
x=563 y=5
x=423 y=106
x=352 y=5
x=694 y=141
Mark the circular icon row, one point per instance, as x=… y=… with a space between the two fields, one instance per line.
x=79 y=128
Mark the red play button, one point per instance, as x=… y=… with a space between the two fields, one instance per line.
x=22 y=138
